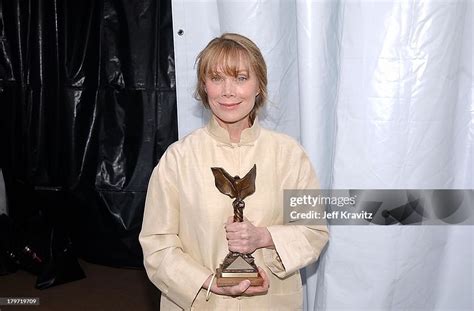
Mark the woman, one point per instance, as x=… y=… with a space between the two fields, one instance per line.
x=187 y=226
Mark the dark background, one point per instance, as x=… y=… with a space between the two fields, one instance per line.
x=87 y=108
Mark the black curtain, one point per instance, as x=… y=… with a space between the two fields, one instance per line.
x=88 y=106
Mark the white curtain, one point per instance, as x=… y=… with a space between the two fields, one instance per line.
x=3 y=197
x=380 y=95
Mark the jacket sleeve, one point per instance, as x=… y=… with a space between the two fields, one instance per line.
x=175 y=273
x=296 y=246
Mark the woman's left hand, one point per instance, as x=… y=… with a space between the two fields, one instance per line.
x=244 y=237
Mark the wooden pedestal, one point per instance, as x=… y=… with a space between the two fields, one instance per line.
x=231 y=281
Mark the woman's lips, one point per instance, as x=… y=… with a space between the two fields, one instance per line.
x=229 y=105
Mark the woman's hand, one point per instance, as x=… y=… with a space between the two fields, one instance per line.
x=243 y=288
x=245 y=238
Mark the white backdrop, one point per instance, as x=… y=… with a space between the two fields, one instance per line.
x=3 y=197
x=380 y=95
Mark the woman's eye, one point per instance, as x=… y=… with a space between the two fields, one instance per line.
x=242 y=78
x=216 y=78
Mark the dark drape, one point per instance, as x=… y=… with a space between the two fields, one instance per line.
x=88 y=106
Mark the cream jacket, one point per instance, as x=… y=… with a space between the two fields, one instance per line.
x=183 y=236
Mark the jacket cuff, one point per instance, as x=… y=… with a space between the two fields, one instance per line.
x=277 y=259
x=189 y=286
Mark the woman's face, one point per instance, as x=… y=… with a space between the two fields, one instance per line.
x=232 y=98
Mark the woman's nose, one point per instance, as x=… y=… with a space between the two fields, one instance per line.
x=228 y=88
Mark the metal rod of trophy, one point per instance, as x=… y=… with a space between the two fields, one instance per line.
x=238 y=210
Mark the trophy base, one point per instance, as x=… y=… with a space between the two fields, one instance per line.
x=226 y=280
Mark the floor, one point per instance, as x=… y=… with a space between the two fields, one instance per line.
x=104 y=289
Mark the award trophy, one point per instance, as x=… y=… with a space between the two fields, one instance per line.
x=237 y=267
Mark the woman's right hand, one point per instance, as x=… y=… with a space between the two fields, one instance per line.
x=241 y=289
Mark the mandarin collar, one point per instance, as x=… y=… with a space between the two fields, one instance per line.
x=248 y=135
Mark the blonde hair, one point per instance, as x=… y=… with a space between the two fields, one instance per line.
x=226 y=53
